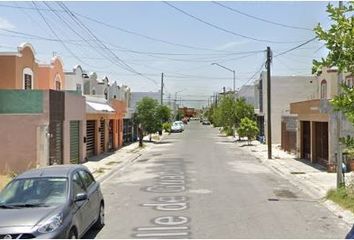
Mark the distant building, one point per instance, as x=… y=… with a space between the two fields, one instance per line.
x=248 y=93
x=285 y=90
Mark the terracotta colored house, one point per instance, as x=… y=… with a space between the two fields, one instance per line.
x=51 y=76
x=39 y=126
x=104 y=115
x=19 y=70
x=316 y=121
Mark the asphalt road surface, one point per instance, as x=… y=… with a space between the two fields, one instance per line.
x=196 y=184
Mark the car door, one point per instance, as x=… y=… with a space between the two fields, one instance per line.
x=81 y=208
x=93 y=194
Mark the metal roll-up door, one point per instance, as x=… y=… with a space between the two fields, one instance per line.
x=102 y=135
x=90 y=138
x=75 y=142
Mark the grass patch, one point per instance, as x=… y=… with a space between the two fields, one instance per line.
x=342 y=198
x=112 y=163
x=101 y=170
x=4 y=179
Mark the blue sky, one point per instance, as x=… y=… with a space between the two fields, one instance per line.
x=185 y=69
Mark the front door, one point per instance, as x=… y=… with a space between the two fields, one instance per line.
x=90 y=137
x=56 y=143
x=75 y=142
x=321 y=129
x=306 y=140
x=110 y=135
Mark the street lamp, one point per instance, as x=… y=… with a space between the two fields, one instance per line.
x=175 y=105
x=233 y=72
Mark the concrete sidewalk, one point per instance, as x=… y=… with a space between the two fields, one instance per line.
x=312 y=179
x=105 y=164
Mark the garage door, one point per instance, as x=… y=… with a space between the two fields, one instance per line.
x=74 y=142
x=90 y=138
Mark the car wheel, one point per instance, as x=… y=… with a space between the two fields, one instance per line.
x=100 y=220
x=72 y=234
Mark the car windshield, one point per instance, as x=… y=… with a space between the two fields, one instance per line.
x=33 y=192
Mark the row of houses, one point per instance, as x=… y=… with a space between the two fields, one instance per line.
x=51 y=116
x=303 y=121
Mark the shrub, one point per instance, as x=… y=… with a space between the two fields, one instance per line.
x=167 y=126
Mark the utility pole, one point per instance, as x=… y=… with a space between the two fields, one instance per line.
x=234 y=83
x=269 y=119
x=161 y=88
x=339 y=119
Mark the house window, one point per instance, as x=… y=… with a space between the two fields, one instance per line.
x=324 y=89
x=93 y=92
x=27 y=79
x=57 y=82
x=349 y=82
x=78 y=87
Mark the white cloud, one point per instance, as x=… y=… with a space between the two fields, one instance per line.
x=5 y=24
x=231 y=45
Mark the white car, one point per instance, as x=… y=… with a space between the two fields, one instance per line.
x=180 y=123
x=176 y=127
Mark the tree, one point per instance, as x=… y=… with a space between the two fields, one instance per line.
x=164 y=113
x=179 y=115
x=147 y=115
x=248 y=128
x=243 y=110
x=339 y=40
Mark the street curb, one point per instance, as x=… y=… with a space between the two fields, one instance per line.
x=128 y=161
x=310 y=189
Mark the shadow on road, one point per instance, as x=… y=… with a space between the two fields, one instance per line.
x=91 y=234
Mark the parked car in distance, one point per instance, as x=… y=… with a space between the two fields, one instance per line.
x=206 y=122
x=176 y=127
x=181 y=123
x=61 y=201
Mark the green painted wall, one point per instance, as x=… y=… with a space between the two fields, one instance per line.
x=21 y=101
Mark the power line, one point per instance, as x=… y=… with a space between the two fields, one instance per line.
x=261 y=19
x=252 y=77
x=54 y=33
x=296 y=47
x=123 y=30
x=129 y=68
x=221 y=28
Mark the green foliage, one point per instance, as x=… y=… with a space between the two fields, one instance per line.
x=147 y=115
x=343 y=197
x=164 y=113
x=228 y=131
x=167 y=126
x=179 y=115
x=243 y=110
x=229 y=112
x=339 y=39
x=248 y=128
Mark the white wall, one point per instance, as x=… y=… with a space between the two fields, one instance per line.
x=285 y=90
x=74 y=78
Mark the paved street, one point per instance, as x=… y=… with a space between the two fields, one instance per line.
x=197 y=184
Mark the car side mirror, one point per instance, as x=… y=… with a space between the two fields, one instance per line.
x=80 y=197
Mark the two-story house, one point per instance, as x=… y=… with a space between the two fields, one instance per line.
x=39 y=125
x=316 y=121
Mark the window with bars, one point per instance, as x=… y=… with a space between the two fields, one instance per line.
x=27 y=81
